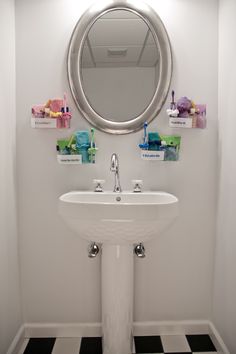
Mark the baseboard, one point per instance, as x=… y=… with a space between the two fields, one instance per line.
x=182 y=328
x=171 y=327
x=63 y=330
x=67 y=330
x=95 y=329
x=216 y=338
x=17 y=341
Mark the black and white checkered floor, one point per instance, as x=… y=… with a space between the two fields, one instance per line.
x=170 y=344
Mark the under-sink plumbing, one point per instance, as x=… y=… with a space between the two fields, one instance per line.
x=93 y=250
x=139 y=250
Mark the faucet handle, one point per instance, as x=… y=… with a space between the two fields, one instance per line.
x=137 y=185
x=98 y=185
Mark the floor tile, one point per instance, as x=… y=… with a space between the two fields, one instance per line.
x=40 y=346
x=201 y=343
x=175 y=344
x=91 y=345
x=148 y=344
x=165 y=344
x=67 y=345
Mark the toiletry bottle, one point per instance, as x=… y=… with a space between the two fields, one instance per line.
x=65 y=118
x=201 y=118
x=154 y=141
x=83 y=143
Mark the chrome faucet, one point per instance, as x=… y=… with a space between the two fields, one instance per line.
x=115 y=168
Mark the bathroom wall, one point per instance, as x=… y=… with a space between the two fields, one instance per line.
x=59 y=282
x=225 y=280
x=10 y=318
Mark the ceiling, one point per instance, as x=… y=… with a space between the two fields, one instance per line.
x=119 y=39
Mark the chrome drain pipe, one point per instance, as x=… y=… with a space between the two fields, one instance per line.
x=139 y=250
x=93 y=250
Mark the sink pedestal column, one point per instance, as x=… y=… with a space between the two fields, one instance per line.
x=117 y=298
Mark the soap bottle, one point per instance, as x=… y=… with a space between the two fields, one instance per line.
x=201 y=119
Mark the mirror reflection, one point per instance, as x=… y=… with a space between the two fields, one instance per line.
x=120 y=66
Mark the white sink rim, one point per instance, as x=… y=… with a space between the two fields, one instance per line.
x=124 y=198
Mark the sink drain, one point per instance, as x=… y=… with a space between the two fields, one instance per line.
x=118 y=199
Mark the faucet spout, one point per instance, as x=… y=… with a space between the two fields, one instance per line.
x=115 y=168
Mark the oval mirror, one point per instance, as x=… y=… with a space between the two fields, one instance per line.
x=119 y=65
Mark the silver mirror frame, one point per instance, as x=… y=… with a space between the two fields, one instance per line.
x=78 y=38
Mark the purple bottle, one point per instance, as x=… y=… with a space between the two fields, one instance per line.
x=201 y=117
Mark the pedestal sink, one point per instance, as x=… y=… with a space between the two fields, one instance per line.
x=118 y=220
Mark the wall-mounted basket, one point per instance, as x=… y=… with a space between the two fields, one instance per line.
x=50 y=123
x=176 y=122
x=189 y=122
x=55 y=114
x=69 y=159
x=152 y=155
x=186 y=114
x=79 y=149
x=157 y=147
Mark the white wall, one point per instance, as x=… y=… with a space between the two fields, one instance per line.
x=225 y=280
x=60 y=283
x=10 y=315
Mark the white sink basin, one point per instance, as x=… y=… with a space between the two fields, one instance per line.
x=118 y=218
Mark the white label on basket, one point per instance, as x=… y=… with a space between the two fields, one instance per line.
x=69 y=159
x=180 y=122
x=153 y=155
x=43 y=123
